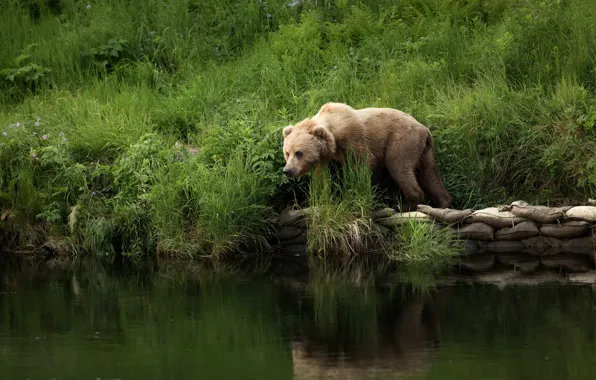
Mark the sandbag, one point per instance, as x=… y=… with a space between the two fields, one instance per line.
x=541 y=245
x=445 y=215
x=568 y=261
x=300 y=239
x=566 y=230
x=438 y=227
x=402 y=218
x=521 y=231
x=288 y=232
x=587 y=213
x=384 y=231
x=470 y=247
x=291 y=217
x=474 y=231
x=540 y=214
x=553 y=251
x=504 y=246
x=384 y=213
x=542 y=242
x=495 y=218
x=523 y=262
x=295 y=250
x=536 y=251
x=478 y=263
x=584 y=245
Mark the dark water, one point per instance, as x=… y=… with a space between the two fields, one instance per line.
x=174 y=324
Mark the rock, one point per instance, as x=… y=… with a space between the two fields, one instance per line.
x=289 y=232
x=475 y=231
x=521 y=261
x=384 y=213
x=568 y=261
x=445 y=215
x=495 y=218
x=540 y=214
x=587 y=213
x=478 y=263
x=566 y=230
x=521 y=231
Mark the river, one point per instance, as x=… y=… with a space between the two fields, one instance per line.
x=96 y=323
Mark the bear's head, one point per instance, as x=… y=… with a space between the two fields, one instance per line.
x=306 y=144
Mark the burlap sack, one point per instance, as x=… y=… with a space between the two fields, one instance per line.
x=384 y=213
x=540 y=245
x=478 y=263
x=288 y=232
x=566 y=230
x=300 y=239
x=587 y=213
x=290 y=217
x=445 y=215
x=495 y=218
x=295 y=250
x=475 y=231
x=504 y=246
x=568 y=261
x=583 y=245
x=540 y=214
x=401 y=218
x=521 y=261
x=521 y=231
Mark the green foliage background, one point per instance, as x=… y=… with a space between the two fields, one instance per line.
x=120 y=89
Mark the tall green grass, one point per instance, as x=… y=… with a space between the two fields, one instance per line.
x=507 y=88
x=340 y=207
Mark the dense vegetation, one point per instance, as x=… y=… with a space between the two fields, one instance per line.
x=105 y=104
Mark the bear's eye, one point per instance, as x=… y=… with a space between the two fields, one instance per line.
x=298 y=154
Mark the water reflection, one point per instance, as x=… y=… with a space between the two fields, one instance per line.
x=399 y=340
x=92 y=322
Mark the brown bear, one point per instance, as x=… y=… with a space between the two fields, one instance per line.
x=390 y=139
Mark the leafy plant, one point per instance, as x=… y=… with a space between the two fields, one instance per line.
x=24 y=75
x=106 y=56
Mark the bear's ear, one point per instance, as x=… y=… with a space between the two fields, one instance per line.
x=325 y=135
x=322 y=133
x=287 y=130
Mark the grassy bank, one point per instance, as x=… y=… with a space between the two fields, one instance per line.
x=101 y=101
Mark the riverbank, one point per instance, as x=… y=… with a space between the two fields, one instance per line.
x=155 y=128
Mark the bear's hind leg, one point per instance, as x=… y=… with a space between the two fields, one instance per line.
x=403 y=174
x=431 y=183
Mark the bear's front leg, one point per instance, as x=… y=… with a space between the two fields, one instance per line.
x=318 y=170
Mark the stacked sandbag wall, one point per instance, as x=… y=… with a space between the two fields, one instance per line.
x=518 y=235
x=291 y=232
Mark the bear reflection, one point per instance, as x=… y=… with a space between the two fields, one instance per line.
x=403 y=344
